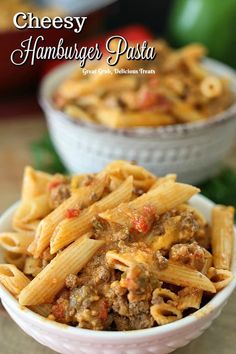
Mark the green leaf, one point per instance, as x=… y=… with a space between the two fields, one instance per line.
x=45 y=156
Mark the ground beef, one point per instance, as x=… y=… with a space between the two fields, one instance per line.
x=134 y=322
x=121 y=323
x=71 y=281
x=188 y=225
x=189 y=254
x=59 y=194
x=102 y=274
x=118 y=299
x=138 y=307
x=141 y=321
x=161 y=261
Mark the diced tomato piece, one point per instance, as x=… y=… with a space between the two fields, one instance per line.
x=141 y=224
x=54 y=184
x=147 y=99
x=58 y=310
x=103 y=311
x=163 y=103
x=72 y=213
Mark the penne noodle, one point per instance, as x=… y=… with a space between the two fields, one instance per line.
x=81 y=198
x=35 y=183
x=163 y=198
x=17 y=259
x=123 y=169
x=77 y=113
x=185 y=276
x=12 y=278
x=122 y=261
x=69 y=230
x=168 y=178
x=42 y=310
x=15 y=242
x=29 y=227
x=222 y=236
x=189 y=298
x=165 y=313
x=33 y=209
x=220 y=278
x=164 y=295
x=32 y=266
x=43 y=288
x=118 y=119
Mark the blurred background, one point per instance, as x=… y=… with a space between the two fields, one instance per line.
x=24 y=138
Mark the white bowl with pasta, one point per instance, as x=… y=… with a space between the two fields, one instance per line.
x=158 y=340
x=194 y=151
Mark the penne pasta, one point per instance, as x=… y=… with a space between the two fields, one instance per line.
x=69 y=261
x=168 y=178
x=122 y=261
x=17 y=259
x=69 y=230
x=32 y=266
x=35 y=183
x=29 y=227
x=31 y=210
x=164 y=295
x=220 y=278
x=189 y=298
x=165 y=313
x=222 y=236
x=163 y=198
x=185 y=276
x=121 y=170
x=80 y=199
x=42 y=310
x=118 y=248
x=132 y=119
x=15 y=242
x=12 y=278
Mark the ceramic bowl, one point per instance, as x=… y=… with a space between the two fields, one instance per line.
x=157 y=340
x=194 y=151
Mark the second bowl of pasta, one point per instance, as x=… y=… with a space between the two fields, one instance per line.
x=181 y=119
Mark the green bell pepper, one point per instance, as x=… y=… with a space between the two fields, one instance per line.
x=210 y=22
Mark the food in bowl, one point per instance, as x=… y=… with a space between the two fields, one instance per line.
x=118 y=250
x=173 y=88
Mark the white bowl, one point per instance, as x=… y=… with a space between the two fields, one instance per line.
x=194 y=151
x=157 y=340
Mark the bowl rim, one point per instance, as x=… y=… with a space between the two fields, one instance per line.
x=172 y=130
x=216 y=302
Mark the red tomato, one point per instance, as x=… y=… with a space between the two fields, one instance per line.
x=54 y=184
x=72 y=213
x=147 y=99
x=163 y=103
x=140 y=223
x=103 y=313
x=58 y=310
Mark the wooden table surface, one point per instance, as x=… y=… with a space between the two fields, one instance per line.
x=16 y=136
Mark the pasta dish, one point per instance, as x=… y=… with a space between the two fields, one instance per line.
x=174 y=88
x=119 y=250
